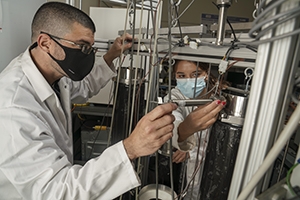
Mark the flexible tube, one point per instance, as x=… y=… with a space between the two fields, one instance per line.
x=273 y=153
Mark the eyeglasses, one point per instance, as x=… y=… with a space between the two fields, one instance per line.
x=85 y=48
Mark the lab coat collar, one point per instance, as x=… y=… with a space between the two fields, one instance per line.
x=37 y=80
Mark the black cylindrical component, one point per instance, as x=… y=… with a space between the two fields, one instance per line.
x=123 y=104
x=219 y=162
x=123 y=114
x=223 y=147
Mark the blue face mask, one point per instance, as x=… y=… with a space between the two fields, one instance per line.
x=187 y=86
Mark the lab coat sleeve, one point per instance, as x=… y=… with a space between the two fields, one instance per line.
x=37 y=168
x=100 y=75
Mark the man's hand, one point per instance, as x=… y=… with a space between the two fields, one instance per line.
x=151 y=132
x=120 y=45
x=180 y=156
x=200 y=119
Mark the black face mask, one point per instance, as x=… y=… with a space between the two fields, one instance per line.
x=76 y=63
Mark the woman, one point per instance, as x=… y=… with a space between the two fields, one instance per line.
x=189 y=74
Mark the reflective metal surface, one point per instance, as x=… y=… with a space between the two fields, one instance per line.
x=126 y=74
x=149 y=192
x=165 y=149
x=235 y=110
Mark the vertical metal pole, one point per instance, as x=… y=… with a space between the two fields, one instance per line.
x=170 y=72
x=223 y=6
x=80 y=4
x=72 y=2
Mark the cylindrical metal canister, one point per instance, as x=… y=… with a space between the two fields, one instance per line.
x=124 y=102
x=222 y=148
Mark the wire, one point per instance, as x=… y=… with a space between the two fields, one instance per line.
x=181 y=43
x=198 y=164
x=269 y=7
x=284 y=16
x=289 y=176
x=228 y=52
x=264 y=18
x=258 y=42
x=232 y=30
x=185 y=9
x=254 y=49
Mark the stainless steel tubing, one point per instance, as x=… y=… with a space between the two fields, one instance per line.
x=222 y=148
x=223 y=6
x=149 y=192
x=191 y=102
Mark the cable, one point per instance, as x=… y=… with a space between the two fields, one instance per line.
x=101 y=128
x=185 y=9
x=181 y=43
x=254 y=49
x=198 y=164
x=263 y=19
x=233 y=32
x=258 y=42
x=289 y=175
x=292 y=14
x=269 y=7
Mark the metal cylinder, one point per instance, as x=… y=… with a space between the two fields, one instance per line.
x=235 y=110
x=222 y=148
x=127 y=75
x=223 y=6
x=149 y=192
x=219 y=162
x=123 y=103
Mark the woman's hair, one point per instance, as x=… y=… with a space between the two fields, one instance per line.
x=212 y=80
x=57 y=18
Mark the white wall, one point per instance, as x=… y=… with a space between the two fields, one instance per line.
x=85 y=4
x=15 y=36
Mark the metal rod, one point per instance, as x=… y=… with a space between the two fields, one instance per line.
x=223 y=5
x=170 y=72
x=80 y=4
x=191 y=102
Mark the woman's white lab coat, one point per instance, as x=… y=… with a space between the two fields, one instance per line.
x=191 y=144
x=36 y=160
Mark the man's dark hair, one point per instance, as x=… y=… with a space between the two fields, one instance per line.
x=57 y=18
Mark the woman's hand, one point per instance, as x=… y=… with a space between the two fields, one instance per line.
x=180 y=156
x=201 y=118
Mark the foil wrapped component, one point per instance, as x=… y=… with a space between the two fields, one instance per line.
x=219 y=162
x=223 y=147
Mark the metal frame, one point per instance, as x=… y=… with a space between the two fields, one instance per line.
x=270 y=87
x=274 y=64
x=268 y=100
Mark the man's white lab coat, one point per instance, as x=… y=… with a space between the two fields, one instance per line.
x=191 y=144
x=36 y=160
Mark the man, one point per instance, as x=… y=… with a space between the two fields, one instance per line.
x=36 y=90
